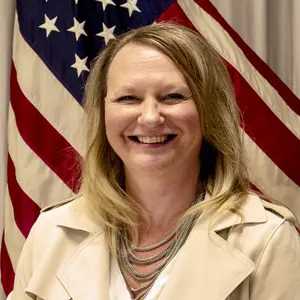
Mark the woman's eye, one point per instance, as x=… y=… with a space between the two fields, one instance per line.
x=174 y=97
x=127 y=99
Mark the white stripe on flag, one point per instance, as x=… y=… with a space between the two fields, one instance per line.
x=51 y=188
x=13 y=237
x=64 y=114
x=228 y=49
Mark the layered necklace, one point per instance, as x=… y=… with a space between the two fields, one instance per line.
x=127 y=259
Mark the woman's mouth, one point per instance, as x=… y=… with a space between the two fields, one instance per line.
x=163 y=139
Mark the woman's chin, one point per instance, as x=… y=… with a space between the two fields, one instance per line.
x=151 y=164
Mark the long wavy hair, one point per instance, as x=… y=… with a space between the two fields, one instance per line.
x=223 y=168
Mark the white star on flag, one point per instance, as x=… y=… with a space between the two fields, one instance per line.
x=105 y=3
x=49 y=25
x=77 y=29
x=80 y=65
x=131 y=5
x=107 y=33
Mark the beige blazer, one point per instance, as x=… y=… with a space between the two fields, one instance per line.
x=66 y=257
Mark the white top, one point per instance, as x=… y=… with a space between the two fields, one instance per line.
x=118 y=289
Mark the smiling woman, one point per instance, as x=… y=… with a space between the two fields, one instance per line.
x=151 y=118
x=166 y=211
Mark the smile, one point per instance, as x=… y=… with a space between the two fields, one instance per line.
x=153 y=139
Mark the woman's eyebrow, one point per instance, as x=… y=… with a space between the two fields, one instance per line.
x=127 y=89
x=163 y=87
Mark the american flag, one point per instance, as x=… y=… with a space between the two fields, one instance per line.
x=54 y=44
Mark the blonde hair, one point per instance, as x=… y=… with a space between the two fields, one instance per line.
x=223 y=169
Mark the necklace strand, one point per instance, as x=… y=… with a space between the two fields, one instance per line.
x=141 y=277
x=127 y=259
x=155 y=246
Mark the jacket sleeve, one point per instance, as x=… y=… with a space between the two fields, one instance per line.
x=24 y=270
x=277 y=276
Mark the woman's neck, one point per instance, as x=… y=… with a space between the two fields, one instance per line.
x=165 y=196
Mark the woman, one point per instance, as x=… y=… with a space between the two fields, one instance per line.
x=166 y=211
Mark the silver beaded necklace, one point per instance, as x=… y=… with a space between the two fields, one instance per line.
x=127 y=259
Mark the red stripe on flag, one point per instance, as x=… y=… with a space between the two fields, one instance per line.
x=43 y=139
x=266 y=130
x=22 y=204
x=175 y=14
x=287 y=95
x=7 y=271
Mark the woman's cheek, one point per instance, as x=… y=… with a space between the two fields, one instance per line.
x=120 y=118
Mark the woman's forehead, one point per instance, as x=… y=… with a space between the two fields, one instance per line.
x=142 y=64
x=138 y=56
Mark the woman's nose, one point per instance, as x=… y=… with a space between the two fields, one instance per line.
x=150 y=114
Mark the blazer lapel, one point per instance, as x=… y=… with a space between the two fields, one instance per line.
x=206 y=267
x=86 y=275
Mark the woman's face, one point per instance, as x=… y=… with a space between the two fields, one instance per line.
x=151 y=119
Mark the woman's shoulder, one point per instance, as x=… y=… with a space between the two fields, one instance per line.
x=71 y=213
x=279 y=210
x=256 y=214
x=55 y=237
x=281 y=224
x=264 y=224
x=276 y=213
x=53 y=214
x=258 y=223
x=259 y=209
x=270 y=217
x=62 y=203
x=274 y=246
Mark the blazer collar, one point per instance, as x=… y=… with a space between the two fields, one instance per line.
x=252 y=211
x=206 y=265
x=77 y=216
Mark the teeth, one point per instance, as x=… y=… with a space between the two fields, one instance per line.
x=152 y=139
